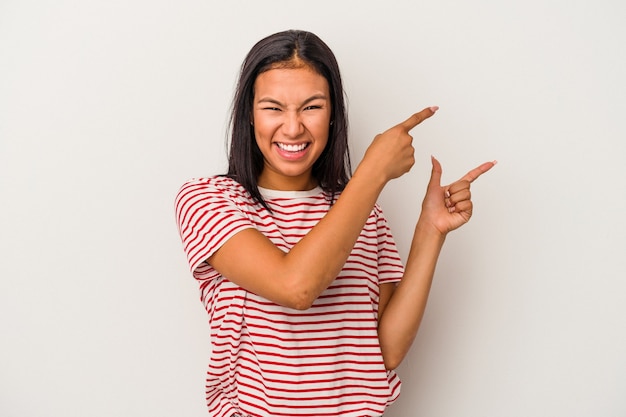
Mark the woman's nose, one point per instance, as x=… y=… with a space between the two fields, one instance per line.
x=292 y=125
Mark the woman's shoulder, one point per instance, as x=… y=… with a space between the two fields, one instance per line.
x=214 y=185
x=214 y=182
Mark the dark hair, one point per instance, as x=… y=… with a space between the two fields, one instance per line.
x=282 y=50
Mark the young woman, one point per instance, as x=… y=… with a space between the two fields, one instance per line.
x=310 y=306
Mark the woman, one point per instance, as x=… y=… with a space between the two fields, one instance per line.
x=310 y=307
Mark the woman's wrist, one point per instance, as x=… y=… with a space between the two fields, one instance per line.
x=370 y=176
x=426 y=230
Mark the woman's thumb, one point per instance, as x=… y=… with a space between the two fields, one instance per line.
x=435 y=174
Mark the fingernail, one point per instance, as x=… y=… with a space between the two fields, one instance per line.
x=434 y=108
x=447 y=193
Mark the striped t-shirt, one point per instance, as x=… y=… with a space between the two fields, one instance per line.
x=269 y=360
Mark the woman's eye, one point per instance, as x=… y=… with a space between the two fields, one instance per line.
x=312 y=107
x=271 y=108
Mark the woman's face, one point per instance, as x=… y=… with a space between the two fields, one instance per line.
x=291 y=117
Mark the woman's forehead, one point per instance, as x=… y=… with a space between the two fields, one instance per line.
x=290 y=81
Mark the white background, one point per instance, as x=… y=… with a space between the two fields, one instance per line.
x=107 y=107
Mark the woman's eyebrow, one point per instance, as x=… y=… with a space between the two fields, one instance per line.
x=313 y=98
x=269 y=100
x=308 y=100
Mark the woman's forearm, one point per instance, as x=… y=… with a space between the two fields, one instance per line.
x=402 y=315
x=322 y=253
x=327 y=246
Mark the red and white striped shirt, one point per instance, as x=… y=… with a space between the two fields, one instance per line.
x=269 y=360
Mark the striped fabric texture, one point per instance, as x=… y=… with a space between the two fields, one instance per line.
x=269 y=360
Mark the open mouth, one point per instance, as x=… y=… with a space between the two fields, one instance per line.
x=295 y=148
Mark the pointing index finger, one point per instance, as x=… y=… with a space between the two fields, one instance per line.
x=418 y=118
x=478 y=171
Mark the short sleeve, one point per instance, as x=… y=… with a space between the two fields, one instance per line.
x=209 y=211
x=390 y=267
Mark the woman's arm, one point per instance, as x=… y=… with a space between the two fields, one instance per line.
x=401 y=308
x=296 y=278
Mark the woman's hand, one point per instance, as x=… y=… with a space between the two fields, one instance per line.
x=391 y=153
x=446 y=208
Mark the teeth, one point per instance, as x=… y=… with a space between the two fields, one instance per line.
x=291 y=148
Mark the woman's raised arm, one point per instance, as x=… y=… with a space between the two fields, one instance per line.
x=296 y=278
x=444 y=209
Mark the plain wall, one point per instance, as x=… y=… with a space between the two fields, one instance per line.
x=107 y=107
